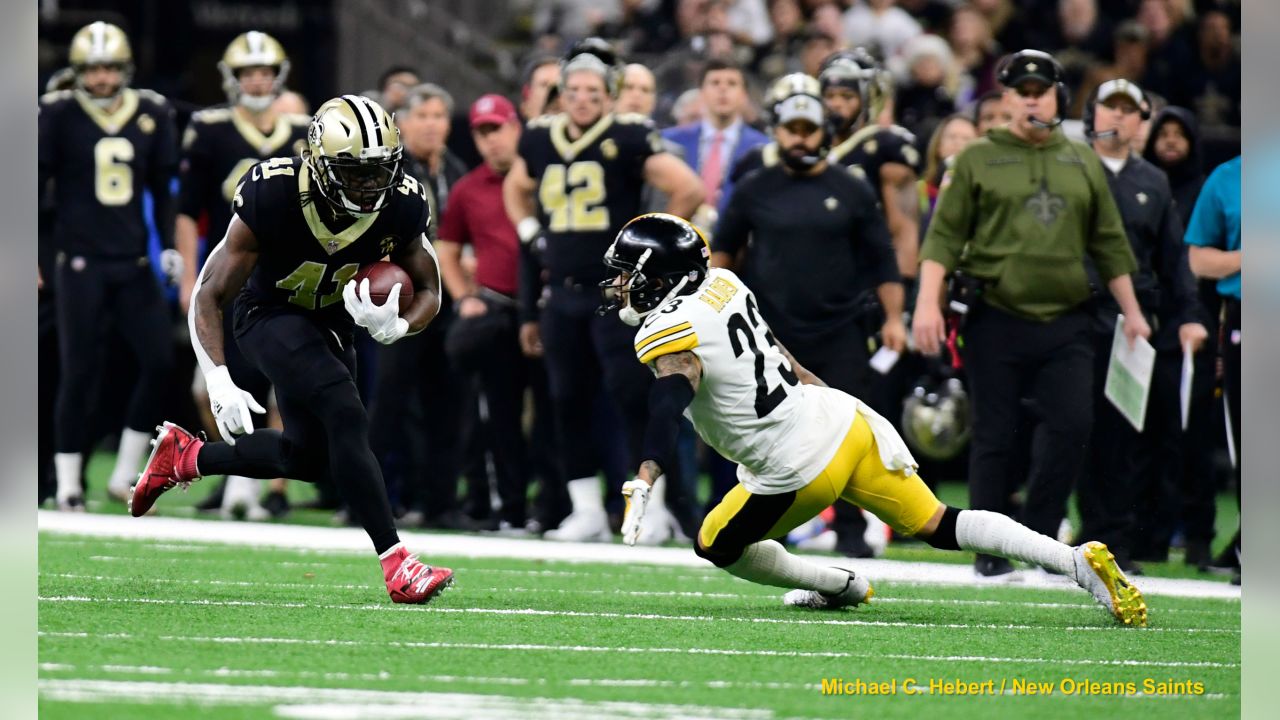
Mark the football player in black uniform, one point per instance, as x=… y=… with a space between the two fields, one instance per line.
x=103 y=144
x=303 y=227
x=586 y=169
x=219 y=146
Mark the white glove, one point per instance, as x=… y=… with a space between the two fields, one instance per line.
x=383 y=322
x=637 y=494
x=172 y=265
x=231 y=405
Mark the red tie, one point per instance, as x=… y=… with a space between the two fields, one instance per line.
x=711 y=170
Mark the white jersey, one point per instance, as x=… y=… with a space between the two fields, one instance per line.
x=749 y=406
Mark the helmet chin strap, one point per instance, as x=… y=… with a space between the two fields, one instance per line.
x=630 y=316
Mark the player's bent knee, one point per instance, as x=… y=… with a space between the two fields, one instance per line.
x=718 y=556
x=944 y=537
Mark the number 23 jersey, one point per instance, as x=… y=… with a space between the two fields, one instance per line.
x=303 y=263
x=749 y=406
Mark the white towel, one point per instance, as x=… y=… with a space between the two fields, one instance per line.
x=893 y=450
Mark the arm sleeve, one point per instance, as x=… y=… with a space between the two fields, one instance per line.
x=872 y=243
x=953 y=215
x=164 y=163
x=1106 y=241
x=734 y=226
x=1205 y=229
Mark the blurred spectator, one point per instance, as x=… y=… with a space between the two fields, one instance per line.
x=817 y=47
x=1080 y=39
x=1131 y=42
x=748 y=22
x=483 y=339
x=541 y=73
x=417 y=400
x=1213 y=89
x=688 y=107
x=572 y=20
x=648 y=26
x=991 y=111
x=975 y=51
x=1008 y=24
x=828 y=19
x=927 y=91
x=1171 y=57
x=704 y=36
x=952 y=135
x=711 y=147
x=1173 y=145
x=879 y=25
x=780 y=54
x=638 y=94
x=394 y=84
x=934 y=16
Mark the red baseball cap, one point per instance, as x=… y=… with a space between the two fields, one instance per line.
x=492 y=109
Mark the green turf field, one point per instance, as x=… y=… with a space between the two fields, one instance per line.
x=134 y=628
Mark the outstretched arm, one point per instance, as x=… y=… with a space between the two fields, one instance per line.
x=678 y=377
x=224 y=273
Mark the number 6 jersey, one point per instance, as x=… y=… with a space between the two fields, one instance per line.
x=749 y=406
x=304 y=257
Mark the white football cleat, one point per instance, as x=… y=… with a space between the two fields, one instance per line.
x=241 y=496
x=857 y=592
x=584 y=526
x=1097 y=572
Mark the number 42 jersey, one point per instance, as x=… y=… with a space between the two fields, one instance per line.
x=749 y=406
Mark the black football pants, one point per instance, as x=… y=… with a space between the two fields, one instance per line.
x=326 y=429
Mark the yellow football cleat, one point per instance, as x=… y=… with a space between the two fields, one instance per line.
x=1097 y=572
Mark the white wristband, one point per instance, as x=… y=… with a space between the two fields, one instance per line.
x=528 y=228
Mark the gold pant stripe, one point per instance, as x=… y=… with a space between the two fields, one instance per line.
x=855 y=475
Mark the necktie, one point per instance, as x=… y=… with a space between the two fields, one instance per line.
x=711 y=169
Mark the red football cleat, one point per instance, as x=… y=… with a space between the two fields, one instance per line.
x=172 y=462
x=408 y=580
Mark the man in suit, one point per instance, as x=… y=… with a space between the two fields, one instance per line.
x=713 y=145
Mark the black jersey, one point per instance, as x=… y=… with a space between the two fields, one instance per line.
x=218 y=147
x=869 y=149
x=303 y=262
x=587 y=188
x=100 y=164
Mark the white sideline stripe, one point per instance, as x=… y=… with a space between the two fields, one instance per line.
x=609 y=615
x=428 y=544
x=525 y=647
x=323 y=702
x=626 y=593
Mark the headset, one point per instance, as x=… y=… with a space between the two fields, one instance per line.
x=1087 y=119
x=1004 y=72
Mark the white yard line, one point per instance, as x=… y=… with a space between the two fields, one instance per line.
x=179 y=530
x=648 y=617
x=673 y=594
x=526 y=647
x=321 y=702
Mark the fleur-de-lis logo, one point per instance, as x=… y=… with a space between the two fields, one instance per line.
x=1045 y=206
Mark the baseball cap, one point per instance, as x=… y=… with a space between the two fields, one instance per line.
x=800 y=107
x=1120 y=86
x=1031 y=65
x=492 y=109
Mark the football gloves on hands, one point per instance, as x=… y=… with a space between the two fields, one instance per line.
x=382 y=321
x=171 y=264
x=637 y=494
x=231 y=406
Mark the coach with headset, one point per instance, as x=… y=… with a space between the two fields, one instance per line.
x=1024 y=208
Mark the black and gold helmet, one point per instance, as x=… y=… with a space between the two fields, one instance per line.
x=355 y=154
x=659 y=255
x=253 y=49
x=858 y=70
x=101 y=43
x=598 y=56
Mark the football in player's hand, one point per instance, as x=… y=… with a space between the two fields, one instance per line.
x=382 y=277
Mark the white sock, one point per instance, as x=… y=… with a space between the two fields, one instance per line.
x=585 y=495
x=768 y=563
x=67 y=467
x=995 y=534
x=133 y=447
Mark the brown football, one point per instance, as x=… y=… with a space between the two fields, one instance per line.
x=382 y=277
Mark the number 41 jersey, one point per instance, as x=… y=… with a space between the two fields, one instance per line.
x=749 y=406
x=303 y=263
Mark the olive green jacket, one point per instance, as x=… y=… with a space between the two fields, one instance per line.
x=1022 y=218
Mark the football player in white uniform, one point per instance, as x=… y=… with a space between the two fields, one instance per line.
x=799 y=445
